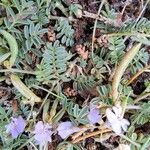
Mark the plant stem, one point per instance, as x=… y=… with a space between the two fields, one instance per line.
x=95 y=24
x=128 y=34
x=28 y=141
x=126 y=138
x=18 y=71
x=141 y=13
x=38 y=87
x=141 y=97
x=146 y=144
x=90 y=135
x=138 y=73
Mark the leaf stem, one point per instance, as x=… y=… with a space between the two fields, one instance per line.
x=90 y=135
x=18 y=71
x=128 y=139
x=138 y=73
x=128 y=34
x=28 y=141
x=141 y=97
x=39 y=87
x=95 y=24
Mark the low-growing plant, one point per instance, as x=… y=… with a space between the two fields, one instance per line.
x=63 y=87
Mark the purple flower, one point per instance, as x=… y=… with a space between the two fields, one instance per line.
x=67 y=128
x=16 y=126
x=42 y=133
x=94 y=115
x=115 y=120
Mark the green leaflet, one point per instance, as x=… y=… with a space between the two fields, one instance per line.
x=65 y=32
x=13 y=46
x=54 y=63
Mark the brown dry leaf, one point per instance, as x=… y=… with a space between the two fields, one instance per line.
x=70 y=92
x=81 y=51
x=51 y=35
x=118 y=20
x=50 y=146
x=103 y=41
x=4 y=94
x=91 y=146
x=14 y=105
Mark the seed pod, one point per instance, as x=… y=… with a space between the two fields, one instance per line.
x=4 y=57
x=24 y=90
x=121 y=68
x=12 y=45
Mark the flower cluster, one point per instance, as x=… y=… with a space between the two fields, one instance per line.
x=43 y=131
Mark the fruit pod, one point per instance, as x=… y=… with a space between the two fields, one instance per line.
x=24 y=90
x=12 y=45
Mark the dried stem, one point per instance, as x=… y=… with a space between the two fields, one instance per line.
x=18 y=71
x=95 y=24
x=128 y=34
x=141 y=97
x=90 y=135
x=143 y=9
x=138 y=73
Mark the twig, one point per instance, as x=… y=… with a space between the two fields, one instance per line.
x=138 y=73
x=126 y=4
x=147 y=70
x=95 y=24
x=90 y=135
x=141 y=97
x=39 y=87
x=142 y=11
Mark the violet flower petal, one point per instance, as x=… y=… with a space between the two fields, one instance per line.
x=42 y=133
x=94 y=115
x=15 y=127
x=20 y=122
x=115 y=121
x=117 y=110
x=65 y=129
x=116 y=127
x=110 y=115
x=124 y=124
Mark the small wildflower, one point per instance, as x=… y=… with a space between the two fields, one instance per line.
x=115 y=120
x=65 y=129
x=42 y=133
x=94 y=115
x=16 y=126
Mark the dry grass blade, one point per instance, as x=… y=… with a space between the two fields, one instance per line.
x=95 y=24
x=138 y=74
x=91 y=134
